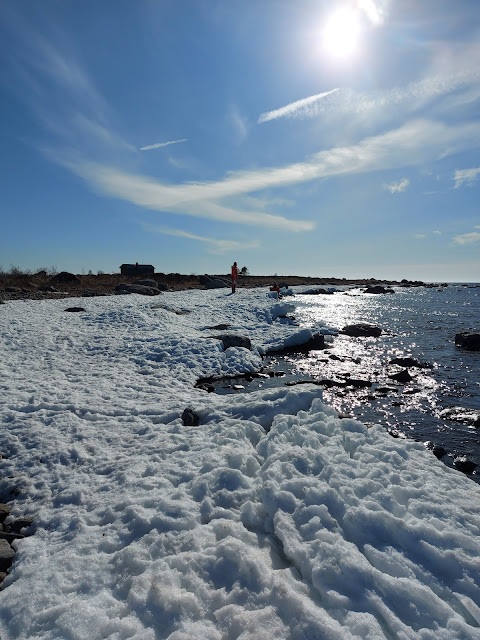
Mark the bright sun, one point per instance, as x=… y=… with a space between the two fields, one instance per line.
x=341 y=33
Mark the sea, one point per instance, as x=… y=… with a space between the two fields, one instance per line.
x=439 y=405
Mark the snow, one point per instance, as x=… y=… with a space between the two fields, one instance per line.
x=270 y=519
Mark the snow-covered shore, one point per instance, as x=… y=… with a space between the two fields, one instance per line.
x=270 y=519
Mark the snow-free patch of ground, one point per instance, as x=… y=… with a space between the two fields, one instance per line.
x=270 y=519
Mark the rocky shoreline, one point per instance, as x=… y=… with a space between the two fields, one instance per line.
x=42 y=285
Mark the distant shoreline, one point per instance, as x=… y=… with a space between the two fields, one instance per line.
x=42 y=285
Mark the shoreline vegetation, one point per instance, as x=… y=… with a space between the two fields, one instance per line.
x=17 y=284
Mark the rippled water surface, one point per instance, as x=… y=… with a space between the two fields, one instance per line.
x=418 y=322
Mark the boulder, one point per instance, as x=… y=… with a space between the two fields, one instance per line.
x=75 y=309
x=378 y=289
x=316 y=292
x=462 y=414
x=190 y=418
x=6 y=555
x=216 y=283
x=65 y=278
x=315 y=343
x=410 y=362
x=464 y=465
x=362 y=329
x=137 y=288
x=147 y=282
x=230 y=340
x=469 y=340
x=402 y=376
x=48 y=287
x=13 y=289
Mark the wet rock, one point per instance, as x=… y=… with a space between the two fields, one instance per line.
x=469 y=340
x=75 y=309
x=317 y=292
x=410 y=362
x=190 y=418
x=13 y=289
x=464 y=465
x=461 y=414
x=378 y=290
x=315 y=343
x=358 y=383
x=402 y=376
x=362 y=329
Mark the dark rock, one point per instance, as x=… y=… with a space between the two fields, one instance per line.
x=190 y=418
x=358 y=383
x=315 y=343
x=230 y=340
x=137 y=288
x=362 y=330
x=48 y=288
x=204 y=279
x=6 y=555
x=21 y=523
x=464 y=465
x=469 y=340
x=216 y=283
x=162 y=286
x=316 y=292
x=4 y=511
x=13 y=289
x=75 y=309
x=410 y=362
x=147 y=282
x=219 y=327
x=378 y=289
x=65 y=278
x=461 y=414
x=402 y=376
x=331 y=382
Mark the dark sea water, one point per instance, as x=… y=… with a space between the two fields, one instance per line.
x=419 y=322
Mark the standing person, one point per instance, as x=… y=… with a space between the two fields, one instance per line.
x=234 y=276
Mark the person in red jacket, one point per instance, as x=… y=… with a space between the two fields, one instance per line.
x=234 y=276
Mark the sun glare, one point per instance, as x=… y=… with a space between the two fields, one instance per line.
x=341 y=33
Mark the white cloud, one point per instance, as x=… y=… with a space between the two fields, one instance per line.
x=467 y=238
x=294 y=108
x=416 y=142
x=216 y=246
x=159 y=145
x=397 y=187
x=437 y=232
x=419 y=236
x=466 y=176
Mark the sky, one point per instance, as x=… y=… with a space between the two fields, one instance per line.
x=316 y=137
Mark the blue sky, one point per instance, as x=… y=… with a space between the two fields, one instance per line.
x=312 y=137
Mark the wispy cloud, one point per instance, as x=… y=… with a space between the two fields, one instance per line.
x=416 y=142
x=216 y=246
x=466 y=176
x=397 y=187
x=419 y=236
x=299 y=107
x=467 y=238
x=159 y=145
